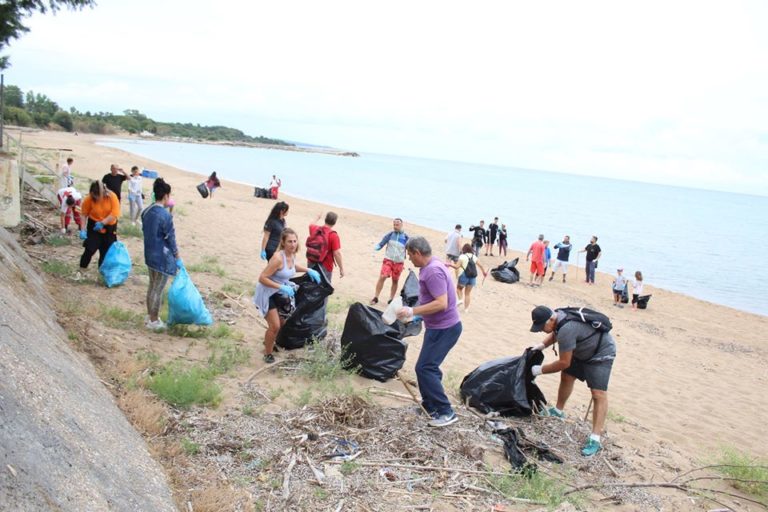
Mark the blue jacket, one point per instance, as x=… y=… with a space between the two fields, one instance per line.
x=395 y=243
x=160 y=249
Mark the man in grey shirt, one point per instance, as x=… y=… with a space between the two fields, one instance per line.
x=586 y=354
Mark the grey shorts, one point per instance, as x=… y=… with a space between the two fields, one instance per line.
x=597 y=374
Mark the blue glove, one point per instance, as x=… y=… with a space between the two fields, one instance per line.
x=264 y=255
x=314 y=275
x=287 y=290
x=376 y=247
x=179 y=263
x=98 y=226
x=83 y=234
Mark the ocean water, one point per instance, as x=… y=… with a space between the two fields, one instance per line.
x=702 y=243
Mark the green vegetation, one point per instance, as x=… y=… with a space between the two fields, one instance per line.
x=190 y=447
x=119 y=318
x=348 y=467
x=45 y=180
x=532 y=486
x=38 y=110
x=58 y=268
x=339 y=305
x=616 y=417
x=129 y=230
x=750 y=473
x=184 y=387
x=225 y=355
x=236 y=288
x=218 y=331
x=322 y=364
x=58 y=241
x=208 y=265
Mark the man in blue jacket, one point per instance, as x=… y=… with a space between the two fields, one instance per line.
x=394 y=259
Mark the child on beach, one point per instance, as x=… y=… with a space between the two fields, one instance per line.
x=212 y=183
x=619 y=283
x=135 y=194
x=637 y=288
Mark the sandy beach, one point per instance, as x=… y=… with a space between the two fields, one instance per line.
x=688 y=377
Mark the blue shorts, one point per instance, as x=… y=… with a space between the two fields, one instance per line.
x=467 y=281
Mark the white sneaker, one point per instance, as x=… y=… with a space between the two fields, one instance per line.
x=63 y=231
x=157 y=325
x=459 y=303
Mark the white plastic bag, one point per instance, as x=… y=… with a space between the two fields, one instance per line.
x=390 y=314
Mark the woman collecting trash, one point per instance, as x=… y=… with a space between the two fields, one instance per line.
x=275 y=289
x=160 y=251
x=273 y=228
x=102 y=209
x=212 y=183
x=468 y=276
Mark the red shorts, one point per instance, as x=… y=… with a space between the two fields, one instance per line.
x=391 y=269
x=537 y=267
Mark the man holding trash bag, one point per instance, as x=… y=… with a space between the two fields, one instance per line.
x=437 y=306
x=586 y=353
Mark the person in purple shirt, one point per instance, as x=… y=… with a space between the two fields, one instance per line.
x=437 y=306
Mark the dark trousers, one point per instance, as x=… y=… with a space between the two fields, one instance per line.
x=97 y=242
x=437 y=344
x=590 y=269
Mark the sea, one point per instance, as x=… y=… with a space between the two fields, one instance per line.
x=703 y=243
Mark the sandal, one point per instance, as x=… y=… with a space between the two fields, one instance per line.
x=374 y=301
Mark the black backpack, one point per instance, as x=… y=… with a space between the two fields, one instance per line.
x=471 y=269
x=595 y=319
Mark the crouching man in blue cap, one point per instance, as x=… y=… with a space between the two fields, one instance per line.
x=586 y=354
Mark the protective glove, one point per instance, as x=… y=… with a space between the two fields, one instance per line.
x=536 y=370
x=405 y=314
x=179 y=263
x=376 y=247
x=314 y=275
x=287 y=290
x=83 y=234
x=98 y=226
x=264 y=255
x=538 y=348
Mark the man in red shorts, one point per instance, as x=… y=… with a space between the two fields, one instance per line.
x=536 y=255
x=394 y=259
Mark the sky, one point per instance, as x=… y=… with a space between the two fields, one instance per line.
x=658 y=91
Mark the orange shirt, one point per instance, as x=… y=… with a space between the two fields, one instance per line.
x=101 y=209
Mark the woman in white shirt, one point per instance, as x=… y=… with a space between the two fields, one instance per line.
x=135 y=195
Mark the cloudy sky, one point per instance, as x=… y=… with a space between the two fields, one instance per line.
x=668 y=92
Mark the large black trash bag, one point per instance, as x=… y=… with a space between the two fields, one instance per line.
x=371 y=347
x=410 y=291
x=308 y=320
x=506 y=272
x=504 y=385
x=515 y=447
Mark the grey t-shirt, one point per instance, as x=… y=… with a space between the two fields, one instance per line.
x=582 y=340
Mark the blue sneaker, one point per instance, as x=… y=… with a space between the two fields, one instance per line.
x=444 y=420
x=553 y=412
x=591 y=447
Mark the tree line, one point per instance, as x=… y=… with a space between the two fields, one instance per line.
x=35 y=109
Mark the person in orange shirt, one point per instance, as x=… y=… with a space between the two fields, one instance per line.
x=102 y=209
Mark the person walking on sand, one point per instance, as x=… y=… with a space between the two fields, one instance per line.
x=593 y=254
x=70 y=201
x=585 y=354
x=637 y=288
x=273 y=228
x=330 y=254
x=274 y=288
x=65 y=174
x=563 y=255
x=212 y=183
x=394 y=259
x=493 y=229
x=437 y=306
x=135 y=194
x=618 y=285
x=102 y=209
x=274 y=186
x=479 y=238
x=536 y=256
x=547 y=259
x=468 y=264
x=161 y=253
x=503 y=240
x=453 y=245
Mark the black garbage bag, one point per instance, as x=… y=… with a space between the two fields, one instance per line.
x=261 y=193
x=372 y=348
x=203 y=190
x=517 y=446
x=505 y=386
x=307 y=323
x=506 y=272
x=410 y=291
x=642 y=301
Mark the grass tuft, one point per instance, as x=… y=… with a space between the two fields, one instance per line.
x=190 y=447
x=119 y=318
x=127 y=229
x=58 y=241
x=532 y=486
x=184 y=387
x=208 y=265
x=225 y=355
x=742 y=466
x=323 y=364
x=58 y=268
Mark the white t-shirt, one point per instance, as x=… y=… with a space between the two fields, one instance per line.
x=65 y=176
x=638 y=287
x=134 y=184
x=67 y=191
x=452 y=243
x=274 y=183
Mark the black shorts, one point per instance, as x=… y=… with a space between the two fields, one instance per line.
x=634 y=298
x=283 y=304
x=596 y=374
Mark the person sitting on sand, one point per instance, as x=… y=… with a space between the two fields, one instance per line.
x=585 y=354
x=394 y=259
x=102 y=209
x=273 y=228
x=274 y=281
x=212 y=183
x=466 y=282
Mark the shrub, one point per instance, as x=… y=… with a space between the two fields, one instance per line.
x=119 y=318
x=742 y=466
x=129 y=230
x=183 y=387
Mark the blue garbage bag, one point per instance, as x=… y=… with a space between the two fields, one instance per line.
x=116 y=265
x=185 y=305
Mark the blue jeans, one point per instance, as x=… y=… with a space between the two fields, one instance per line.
x=591 y=271
x=437 y=344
